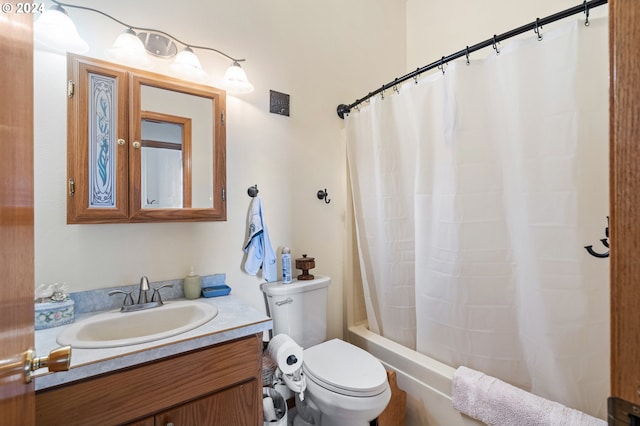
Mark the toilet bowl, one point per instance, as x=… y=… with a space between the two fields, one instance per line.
x=345 y=385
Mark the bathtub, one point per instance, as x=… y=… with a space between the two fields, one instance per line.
x=426 y=381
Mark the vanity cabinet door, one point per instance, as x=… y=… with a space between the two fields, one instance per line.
x=97 y=146
x=232 y=406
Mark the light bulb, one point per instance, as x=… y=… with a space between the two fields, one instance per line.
x=54 y=30
x=235 y=80
x=129 y=50
x=186 y=65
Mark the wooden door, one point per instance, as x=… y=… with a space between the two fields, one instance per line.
x=624 y=38
x=16 y=210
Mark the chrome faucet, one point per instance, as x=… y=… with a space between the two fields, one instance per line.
x=143 y=297
x=144 y=288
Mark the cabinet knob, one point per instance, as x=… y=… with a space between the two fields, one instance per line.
x=169 y=424
x=121 y=142
x=136 y=144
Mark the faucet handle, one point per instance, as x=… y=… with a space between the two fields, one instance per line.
x=128 y=299
x=156 y=292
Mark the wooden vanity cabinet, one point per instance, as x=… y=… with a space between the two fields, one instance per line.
x=216 y=385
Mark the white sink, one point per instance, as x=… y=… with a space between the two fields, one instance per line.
x=111 y=329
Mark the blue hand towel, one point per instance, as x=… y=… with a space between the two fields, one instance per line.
x=258 y=245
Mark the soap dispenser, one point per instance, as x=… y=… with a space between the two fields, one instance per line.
x=192 y=285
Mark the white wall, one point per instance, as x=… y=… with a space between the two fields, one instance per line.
x=320 y=53
x=437 y=28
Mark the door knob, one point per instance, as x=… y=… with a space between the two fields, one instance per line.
x=59 y=359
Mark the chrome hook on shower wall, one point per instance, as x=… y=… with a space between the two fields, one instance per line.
x=604 y=241
x=324 y=195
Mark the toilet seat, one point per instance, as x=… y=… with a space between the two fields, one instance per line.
x=345 y=369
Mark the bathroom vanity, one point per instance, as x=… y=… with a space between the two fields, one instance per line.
x=208 y=376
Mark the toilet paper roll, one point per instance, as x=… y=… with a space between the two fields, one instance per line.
x=269 y=409
x=286 y=352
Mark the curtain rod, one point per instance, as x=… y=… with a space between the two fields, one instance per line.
x=535 y=26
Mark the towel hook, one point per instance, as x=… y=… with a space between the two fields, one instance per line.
x=324 y=195
x=252 y=191
x=537 y=29
x=604 y=241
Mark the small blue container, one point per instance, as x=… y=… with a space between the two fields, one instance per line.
x=216 y=290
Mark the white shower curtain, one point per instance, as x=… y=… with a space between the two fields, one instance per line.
x=474 y=194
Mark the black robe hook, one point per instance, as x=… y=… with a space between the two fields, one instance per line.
x=604 y=241
x=252 y=191
x=324 y=195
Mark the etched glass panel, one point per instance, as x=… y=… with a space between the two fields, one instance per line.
x=102 y=140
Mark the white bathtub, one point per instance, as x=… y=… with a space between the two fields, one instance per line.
x=426 y=381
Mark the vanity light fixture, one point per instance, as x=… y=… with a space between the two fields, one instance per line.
x=187 y=65
x=56 y=31
x=129 y=50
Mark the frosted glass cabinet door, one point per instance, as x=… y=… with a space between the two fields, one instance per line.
x=97 y=154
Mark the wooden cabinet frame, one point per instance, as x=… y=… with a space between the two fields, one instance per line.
x=121 y=168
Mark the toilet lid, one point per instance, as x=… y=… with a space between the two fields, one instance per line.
x=343 y=368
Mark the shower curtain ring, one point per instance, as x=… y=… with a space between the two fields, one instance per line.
x=537 y=29
x=495 y=45
x=441 y=66
x=467 y=55
x=586 y=12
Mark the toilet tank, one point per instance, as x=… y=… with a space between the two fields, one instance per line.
x=299 y=309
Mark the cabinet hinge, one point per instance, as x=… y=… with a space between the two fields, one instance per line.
x=222 y=117
x=72 y=187
x=223 y=194
x=70 y=88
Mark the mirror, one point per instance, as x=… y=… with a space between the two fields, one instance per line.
x=162 y=145
x=174 y=123
x=198 y=162
x=166 y=176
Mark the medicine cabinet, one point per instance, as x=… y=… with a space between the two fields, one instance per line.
x=142 y=147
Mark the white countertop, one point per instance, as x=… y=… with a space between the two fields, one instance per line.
x=235 y=319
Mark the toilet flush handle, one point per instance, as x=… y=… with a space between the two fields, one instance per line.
x=284 y=302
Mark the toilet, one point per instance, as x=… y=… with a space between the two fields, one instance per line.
x=346 y=386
